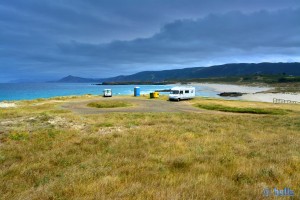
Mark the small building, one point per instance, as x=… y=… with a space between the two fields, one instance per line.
x=107 y=93
x=181 y=93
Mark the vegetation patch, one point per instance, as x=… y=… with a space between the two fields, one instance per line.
x=241 y=178
x=109 y=104
x=179 y=163
x=191 y=155
x=19 y=136
x=242 y=110
x=104 y=124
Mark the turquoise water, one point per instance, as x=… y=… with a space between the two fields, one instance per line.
x=28 y=91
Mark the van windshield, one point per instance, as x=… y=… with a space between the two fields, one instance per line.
x=174 y=91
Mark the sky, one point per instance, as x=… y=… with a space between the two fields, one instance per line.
x=47 y=40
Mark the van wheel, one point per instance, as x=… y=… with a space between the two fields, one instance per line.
x=178 y=99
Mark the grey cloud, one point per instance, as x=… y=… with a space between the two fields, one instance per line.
x=110 y=37
x=198 y=39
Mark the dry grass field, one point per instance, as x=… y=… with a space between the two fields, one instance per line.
x=51 y=153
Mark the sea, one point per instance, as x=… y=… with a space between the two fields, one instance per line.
x=29 y=91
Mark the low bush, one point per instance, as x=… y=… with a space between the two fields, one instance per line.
x=109 y=104
x=241 y=110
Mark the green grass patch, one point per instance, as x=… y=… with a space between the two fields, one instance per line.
x=105 y=124
x=242 y=110
x=109 y=104
x=18 y=136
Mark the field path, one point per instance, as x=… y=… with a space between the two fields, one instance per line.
x=139 y=105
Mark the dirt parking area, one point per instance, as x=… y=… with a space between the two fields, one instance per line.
x=139 y=105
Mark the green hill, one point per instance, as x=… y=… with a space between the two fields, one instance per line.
x=227 y=70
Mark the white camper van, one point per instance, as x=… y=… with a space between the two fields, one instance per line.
x=179 y=93
x=107 y=93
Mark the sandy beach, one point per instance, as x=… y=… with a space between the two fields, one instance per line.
x=253 y=93
x=231 y=88
x=268 y=97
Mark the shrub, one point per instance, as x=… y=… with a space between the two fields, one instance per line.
x=241 y=110
x=109 y=104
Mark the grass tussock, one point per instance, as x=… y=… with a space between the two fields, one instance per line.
x=109 y=104
x=242 y=110
x=48 y=154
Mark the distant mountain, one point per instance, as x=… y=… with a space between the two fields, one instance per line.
x=75 y=79
x=157 y=76
x=199 y=72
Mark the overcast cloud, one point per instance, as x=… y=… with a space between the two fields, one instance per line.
x=45 y=40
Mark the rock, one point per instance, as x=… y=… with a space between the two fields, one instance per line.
x=231 y=94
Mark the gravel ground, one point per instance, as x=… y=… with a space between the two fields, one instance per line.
x=139 y=105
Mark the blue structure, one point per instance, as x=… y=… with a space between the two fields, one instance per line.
x=137 y=91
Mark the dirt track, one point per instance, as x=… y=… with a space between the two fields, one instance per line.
x=139 y=105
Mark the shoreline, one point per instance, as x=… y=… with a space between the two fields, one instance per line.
x=252 y=93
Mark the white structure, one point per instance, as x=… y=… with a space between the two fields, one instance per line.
x=107 y=93
x=179 y=93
